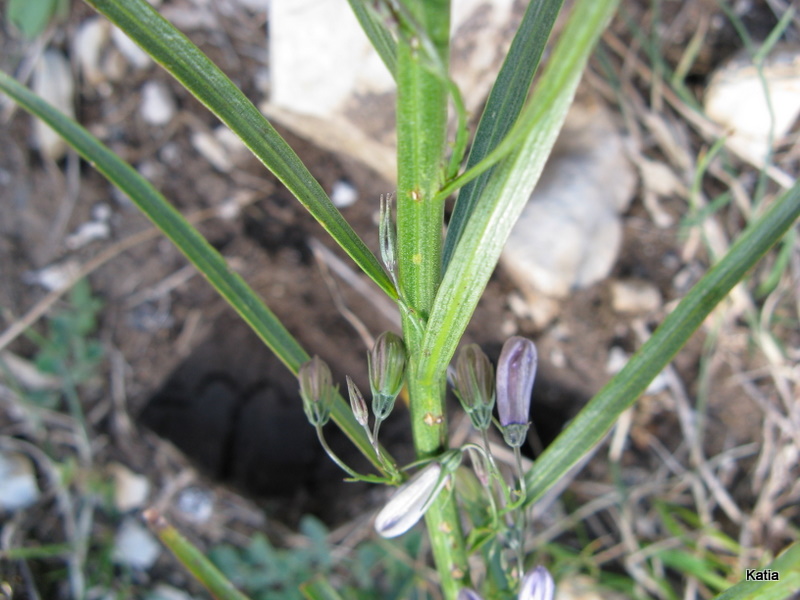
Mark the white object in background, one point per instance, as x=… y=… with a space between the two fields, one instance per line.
x=130 y=489
x=158 y=105
x=52 y=80
x=333 y=88
x=18 y=488
x=569 y=234
x=749 y=108
x=135 y=546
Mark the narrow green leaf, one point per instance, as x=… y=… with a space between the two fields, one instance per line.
x=189 y=241
x=597 y=417
x=378 y=34
x=509 y=187
x=184 y=61
x=787 y=566
x=503 y=107
x=319 y=588
x=193 y=559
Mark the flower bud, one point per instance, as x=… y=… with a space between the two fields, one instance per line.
x=537 y=584
x=411 y=501
x=357 y=403
x=387 y=365
x=516 y=370
x=475 y=385
x=316 y=390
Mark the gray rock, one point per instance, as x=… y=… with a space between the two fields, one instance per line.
x=569 y=234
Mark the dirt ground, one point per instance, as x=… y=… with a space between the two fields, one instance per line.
x=177 y=364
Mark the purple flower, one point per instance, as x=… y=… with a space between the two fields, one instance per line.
x=516 y=371
x=537 y=584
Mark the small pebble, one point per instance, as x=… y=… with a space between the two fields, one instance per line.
x=135 y=546
x=91 y=39
x=136 y=57
x=196 y=504
x=52 y=80
x=52 y=277
x=130 y=489
x=343 y=194
x=19 y=489
x=212 y=150
x=87 y=233
x=629 y=296
x=158 y=105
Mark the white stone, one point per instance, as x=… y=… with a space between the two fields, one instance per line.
x=18 y=487
x=633 y=296
x=212 y=150
x=232 y=143
x=569 y=234
x=53 y=277
x=158 y=105
x=86 y=233
x=135 y=546
x=130 y=489
x=197 y=504
x=166 y=592
x=343 y=194
x=52 y=80
x=136 y=57
x=336 y=91
x=737 y=100
x=90 y=41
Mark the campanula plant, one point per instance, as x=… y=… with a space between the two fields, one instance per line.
x=435 y=279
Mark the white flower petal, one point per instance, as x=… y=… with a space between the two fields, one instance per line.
x=410 y=502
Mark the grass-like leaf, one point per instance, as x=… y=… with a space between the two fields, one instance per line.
x=509 y=187
x=189 y=241
x=597 y=417
x=193 y=559
x=787 y=565
x=502 y=108
x=195 y=71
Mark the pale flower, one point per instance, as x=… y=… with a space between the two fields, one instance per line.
x=411 y=501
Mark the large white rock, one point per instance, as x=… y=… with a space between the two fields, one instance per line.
x=334 y=89
x=569 y=233
x=752 y=105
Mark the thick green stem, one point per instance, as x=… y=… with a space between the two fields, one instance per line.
x=422 y=94
x=421 y=137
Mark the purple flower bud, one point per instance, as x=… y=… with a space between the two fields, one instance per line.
x=387 y=366
x=537 y=584
x=475 y=385
x=357 y=403
x=516 y=371
x=411 y=501
x=468 y=594
x=316 y=390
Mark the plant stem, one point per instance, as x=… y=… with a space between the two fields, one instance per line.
x=422 y=94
